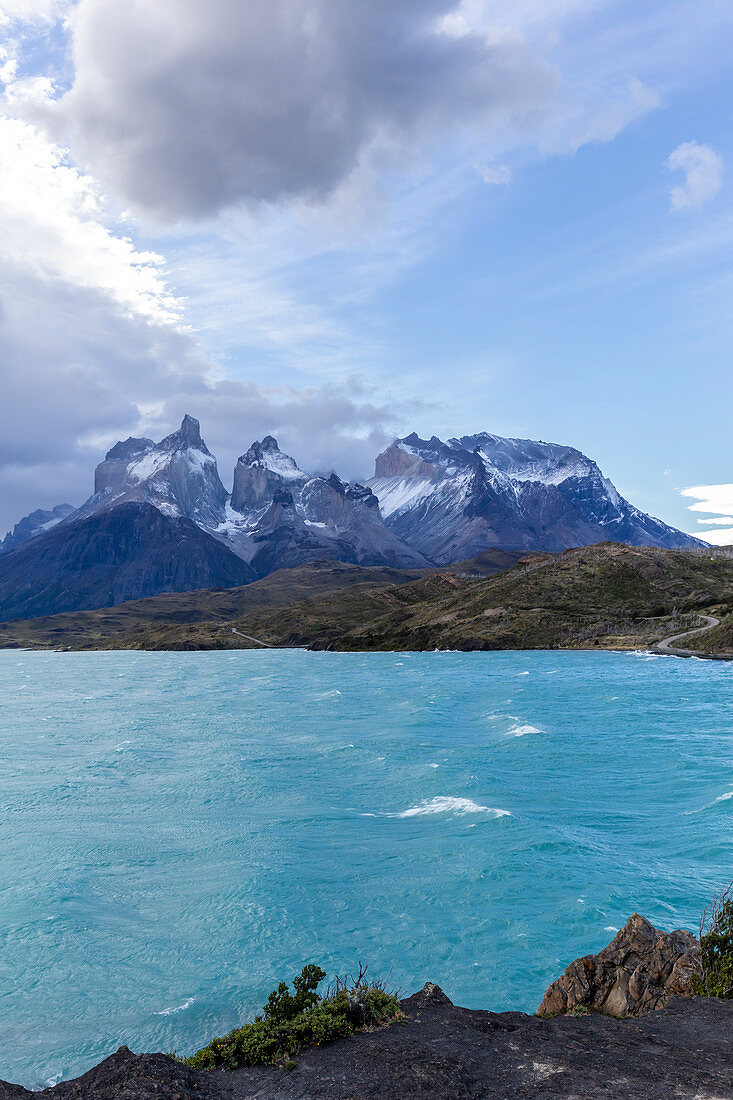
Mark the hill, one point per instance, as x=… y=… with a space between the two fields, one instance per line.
x=604 y=596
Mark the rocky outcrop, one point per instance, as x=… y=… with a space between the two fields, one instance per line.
x=637 y=973
x=443 y=1052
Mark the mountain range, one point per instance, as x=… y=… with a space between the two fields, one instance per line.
x=160 y=519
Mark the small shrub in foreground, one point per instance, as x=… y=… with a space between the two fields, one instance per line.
x=293 y=1021
x=715 y=975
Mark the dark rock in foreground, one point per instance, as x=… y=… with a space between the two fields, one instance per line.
x=638 y=972
x=443 y=1052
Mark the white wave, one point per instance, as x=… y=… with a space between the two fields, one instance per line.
x=721 y=798
x=522 y=674
x=444 y=804
x=51 y=1082
x=521 y=730
x=610 y=928
x=433 y=765
x=178 y=1008
x=328 y=695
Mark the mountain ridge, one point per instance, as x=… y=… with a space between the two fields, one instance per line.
x=430 y=503
x=452 y=499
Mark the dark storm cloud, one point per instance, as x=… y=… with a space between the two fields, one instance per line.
x=185 y=106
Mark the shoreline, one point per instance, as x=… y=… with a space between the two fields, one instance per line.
x=652 y=650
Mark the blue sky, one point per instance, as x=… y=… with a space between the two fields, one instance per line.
x=337 y=221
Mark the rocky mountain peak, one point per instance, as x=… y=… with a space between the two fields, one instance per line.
x=128 y=449
x=188 y=437
x=36 y=523
x=178 y=476
x=259 y=472
x=451 y=500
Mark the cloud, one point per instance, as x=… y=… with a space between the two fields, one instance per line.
x=717 y=499
x=51 y=217
x=31 y=10
x=92 y=373
x=94 y=347
x=280 y=99
x=703 y=169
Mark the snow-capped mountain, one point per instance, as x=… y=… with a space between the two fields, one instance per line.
x=303 y=518
x=34 y=524
x=160 y=520
x=260 y=473
x=452 y=500
x=178 y=476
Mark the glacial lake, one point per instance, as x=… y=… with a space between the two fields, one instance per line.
x=180 y=831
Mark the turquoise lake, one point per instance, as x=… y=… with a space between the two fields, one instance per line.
x=178 y=832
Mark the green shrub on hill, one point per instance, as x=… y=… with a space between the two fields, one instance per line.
x=293 y=1021
x=715 y=977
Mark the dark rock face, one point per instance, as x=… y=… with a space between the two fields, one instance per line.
x=352 y=513
x=453 y=500
x=638 y=972
x=127 y=1076
x=442 y=1052
x=282 y=539
x=129 y=552
x=34 y=524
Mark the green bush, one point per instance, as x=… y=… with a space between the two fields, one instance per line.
x=293 y=1021
x=715 y=975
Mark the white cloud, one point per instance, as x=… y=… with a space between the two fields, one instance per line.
x=94 y=347
x=717 y=499
x=51 y=222
x=31 y=10
x=703 y=169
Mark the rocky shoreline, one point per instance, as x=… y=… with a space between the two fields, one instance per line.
x=618 y=1024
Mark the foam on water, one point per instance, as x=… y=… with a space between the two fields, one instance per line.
x=443 y=804
x=254 y=820
x=522 y=729
x=178 y=1008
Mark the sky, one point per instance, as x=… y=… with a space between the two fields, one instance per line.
x=339 y=221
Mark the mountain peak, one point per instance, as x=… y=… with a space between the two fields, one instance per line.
x=188 y=437
x=267 y=453
x=127 y=449
x=262 y=470
x=451 y=500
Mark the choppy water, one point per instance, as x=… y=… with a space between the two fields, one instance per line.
x=178 y=831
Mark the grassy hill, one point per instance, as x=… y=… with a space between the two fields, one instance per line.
x=88 y=629
x=604 y=596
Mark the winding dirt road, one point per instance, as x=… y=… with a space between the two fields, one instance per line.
x=667 y=644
